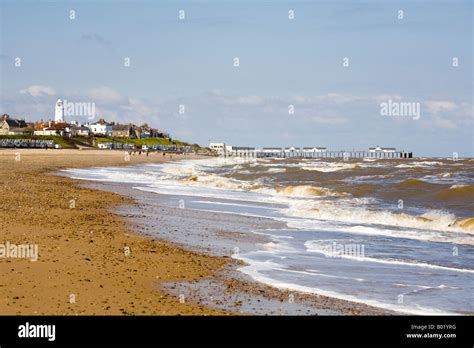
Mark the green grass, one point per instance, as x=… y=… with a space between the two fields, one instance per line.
x=81 y=139
x=145 y=141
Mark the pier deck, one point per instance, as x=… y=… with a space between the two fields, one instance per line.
x=251 y=153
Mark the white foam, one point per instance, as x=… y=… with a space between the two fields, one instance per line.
x=256 y=270
x=422 y=164
x=328 y=167
x=322 y=248
x=356 y=213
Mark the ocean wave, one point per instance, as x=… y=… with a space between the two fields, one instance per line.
x=457 y=192
x=220 y=182
x=304 y=201
x=303 y=191
x=276 y=170
x=434 y=220
x=272 y=170
x=466 y=224
x=413 y=184
x=422 y=164
x=329 y=167
x=327 y=249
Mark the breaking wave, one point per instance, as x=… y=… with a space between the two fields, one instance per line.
x=304 y=191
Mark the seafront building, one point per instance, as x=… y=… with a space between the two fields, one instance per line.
x=220 y=148
x=54 y=129
x=73 y=128
x=9 y=126
x=101 y=127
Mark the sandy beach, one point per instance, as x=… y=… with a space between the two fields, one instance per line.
x=110 y=250
x=95 y=260
x=89 y=261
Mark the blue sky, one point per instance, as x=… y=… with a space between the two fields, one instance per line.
x=282 y=62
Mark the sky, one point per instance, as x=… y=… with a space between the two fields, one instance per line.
x=319 y=78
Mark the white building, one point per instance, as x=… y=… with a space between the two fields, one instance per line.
x=218 y=148
x=101 y=127
x=242 y=151
x=314 y=149
x=58 y=129
x=81 y=131
x=59 y=112
x=382 y=149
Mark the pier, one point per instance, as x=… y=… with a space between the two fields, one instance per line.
x=307 y=152
x=298 y=153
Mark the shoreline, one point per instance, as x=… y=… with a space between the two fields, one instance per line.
x=83 y=267
x=230 y=289
x=135 y=291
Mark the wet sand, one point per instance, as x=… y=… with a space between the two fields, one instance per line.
x=84 y=267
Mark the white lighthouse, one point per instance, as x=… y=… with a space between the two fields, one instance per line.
x=59 y=111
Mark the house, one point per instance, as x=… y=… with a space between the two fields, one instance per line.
x=41 y=125
x=101 y=127
x=145 y=131
x=121 y=130
x=79 y=131
x=18 y=131
x=11 y=126
x=56 y=129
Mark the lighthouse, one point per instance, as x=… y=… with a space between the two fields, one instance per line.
x=59 y=112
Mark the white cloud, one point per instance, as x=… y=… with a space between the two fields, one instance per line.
x=105 y=95
x=38 y=90
x=436 y=106
x=444 y=123
x=386 y=97
x=250 y=100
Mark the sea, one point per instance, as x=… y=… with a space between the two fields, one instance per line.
x=396 y=234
